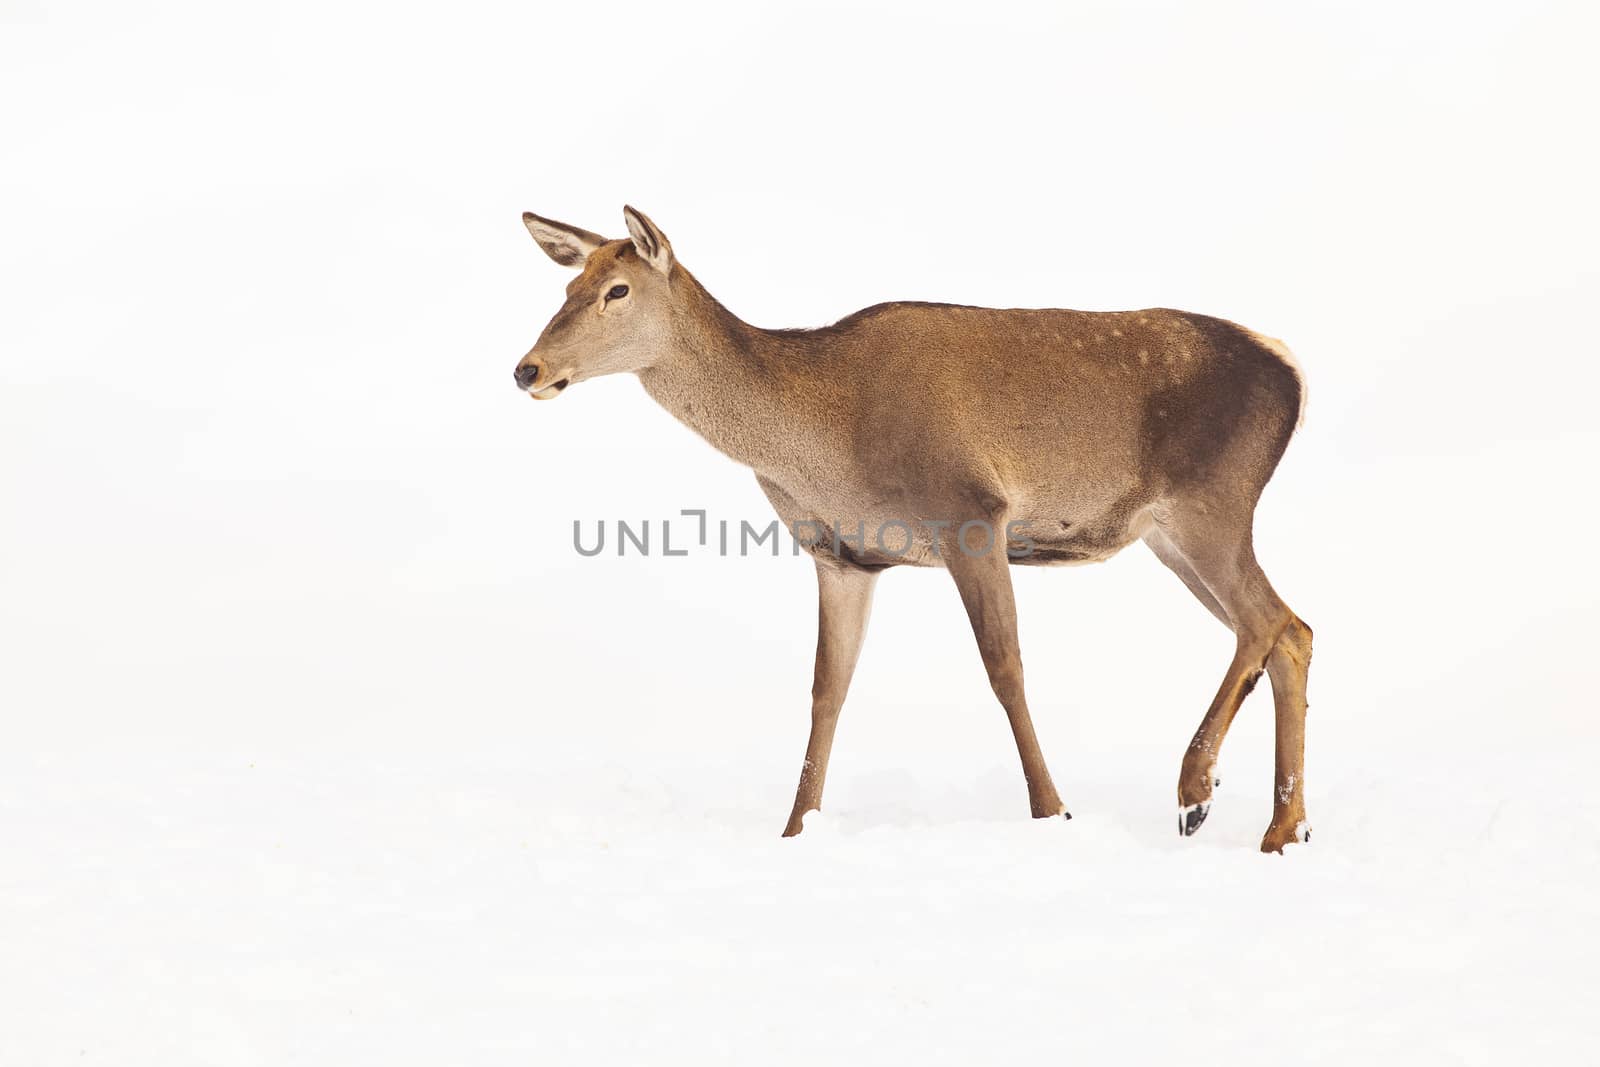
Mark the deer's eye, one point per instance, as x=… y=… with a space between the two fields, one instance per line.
x=617 y=292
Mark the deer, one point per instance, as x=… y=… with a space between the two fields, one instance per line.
x=994 y=438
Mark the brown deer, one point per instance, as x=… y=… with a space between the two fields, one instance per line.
x=979 y=438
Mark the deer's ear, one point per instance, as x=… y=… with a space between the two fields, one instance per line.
x=648 y=240
x=567 y=245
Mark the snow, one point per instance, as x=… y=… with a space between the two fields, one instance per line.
x=207 y=910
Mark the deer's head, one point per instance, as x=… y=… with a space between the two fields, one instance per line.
x=618 y=312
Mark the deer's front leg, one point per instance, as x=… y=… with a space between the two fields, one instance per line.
x=984 y=580
x=844 y=603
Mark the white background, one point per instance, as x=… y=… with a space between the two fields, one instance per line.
x=321 y=744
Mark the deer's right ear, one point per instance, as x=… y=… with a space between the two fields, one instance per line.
x=567 y=245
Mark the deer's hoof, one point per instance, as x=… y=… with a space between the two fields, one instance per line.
x=1048 y=809
x=1276 y=838
x=1190 y=818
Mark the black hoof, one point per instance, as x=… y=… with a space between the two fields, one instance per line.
x=1190 y=818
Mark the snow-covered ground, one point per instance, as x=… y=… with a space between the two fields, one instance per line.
x=472 y=910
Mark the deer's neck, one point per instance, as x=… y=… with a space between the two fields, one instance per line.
x=740 y=387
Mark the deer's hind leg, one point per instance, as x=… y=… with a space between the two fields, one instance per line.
x=1214 y=557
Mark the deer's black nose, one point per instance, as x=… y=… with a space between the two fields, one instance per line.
x=526 y=376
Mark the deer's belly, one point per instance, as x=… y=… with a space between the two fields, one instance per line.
x=888 y=540
x=1082 y=523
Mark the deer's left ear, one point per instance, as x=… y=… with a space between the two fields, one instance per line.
x=569 y=246
x=648 y=240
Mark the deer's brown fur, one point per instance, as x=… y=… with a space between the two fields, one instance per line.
x=1085 y=431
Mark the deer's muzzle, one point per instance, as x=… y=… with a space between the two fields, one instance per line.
x=539 y=382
